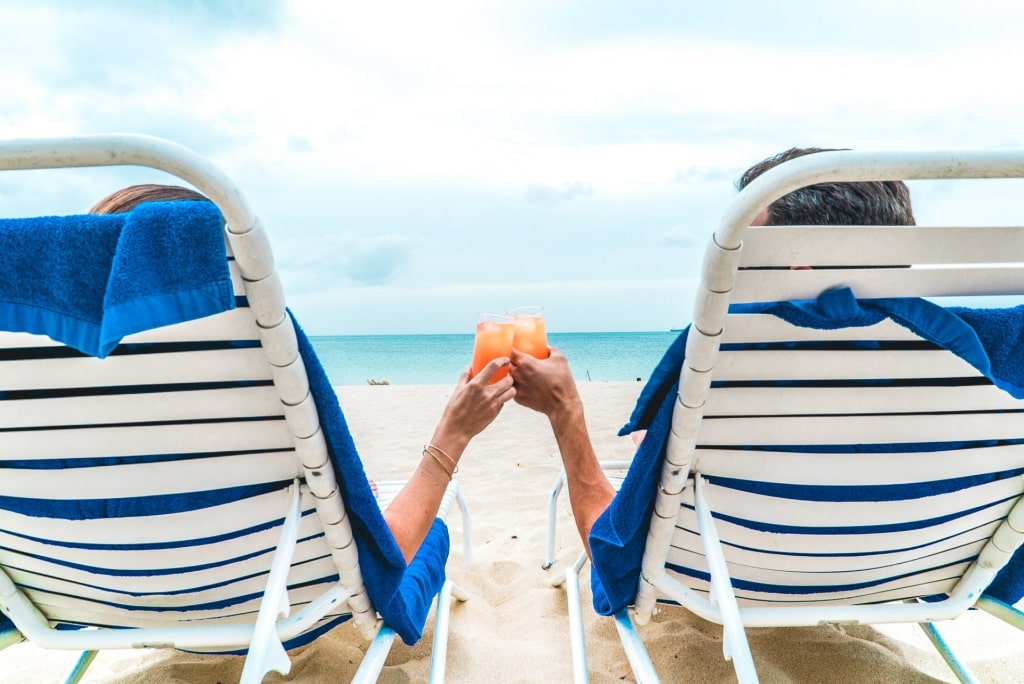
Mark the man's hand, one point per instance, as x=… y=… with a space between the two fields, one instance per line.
x=545 y=385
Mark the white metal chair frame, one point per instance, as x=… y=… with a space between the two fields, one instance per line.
x=723 y=283
x=248 y=242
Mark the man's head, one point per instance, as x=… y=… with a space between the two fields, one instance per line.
x=875 y=203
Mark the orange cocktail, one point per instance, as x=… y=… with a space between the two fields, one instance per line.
x=530 y=336
x=494 y=335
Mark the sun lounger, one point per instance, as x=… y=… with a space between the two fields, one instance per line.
x=823 y=446
x=176 y=470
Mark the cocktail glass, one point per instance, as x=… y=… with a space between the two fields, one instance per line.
x=530 y=336
x=494 y=333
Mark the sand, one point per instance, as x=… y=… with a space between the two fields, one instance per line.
x=514 y=628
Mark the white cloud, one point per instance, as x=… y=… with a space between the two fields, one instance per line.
x=433 y=149
x=318 y=260
x=577 y=306
x=548 y=195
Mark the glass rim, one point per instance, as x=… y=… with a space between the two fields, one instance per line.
x=531 y=310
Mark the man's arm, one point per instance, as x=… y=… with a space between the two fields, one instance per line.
x=547 y=386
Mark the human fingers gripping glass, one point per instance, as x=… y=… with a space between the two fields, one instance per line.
x=494 y=335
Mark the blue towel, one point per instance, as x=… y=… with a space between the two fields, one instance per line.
x=87 y=281
x=618 y=536
x=991 y=340
x=5 y=624
x=402 y=595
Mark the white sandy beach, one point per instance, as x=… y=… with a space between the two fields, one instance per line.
x=514 y=628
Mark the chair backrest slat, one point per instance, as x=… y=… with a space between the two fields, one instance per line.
x=856 y=399
x=880 y=429
x=221 y=471
x=153 y=440
x=217 y=521
x=165 y=406
x=155 y=367
x=805 y=365
x=785 y=246
x=891 y=507
x=755 y=328
x=873 y=283
x=782 y=545
x=858 y=468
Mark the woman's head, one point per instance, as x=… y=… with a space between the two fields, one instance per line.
x=126 y=199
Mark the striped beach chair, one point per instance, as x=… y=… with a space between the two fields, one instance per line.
x=197 y=486
x=832 y=449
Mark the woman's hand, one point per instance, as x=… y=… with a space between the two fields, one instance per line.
x=473 y=406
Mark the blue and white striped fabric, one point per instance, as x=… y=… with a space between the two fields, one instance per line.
x=865 y=466
x=158 y=495
x=149 y=488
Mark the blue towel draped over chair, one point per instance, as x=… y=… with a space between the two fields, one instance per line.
x=402 y=595
x=87 y=281
x=991 y=340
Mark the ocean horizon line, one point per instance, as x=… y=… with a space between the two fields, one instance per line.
x=440 y=358
x=472 y=333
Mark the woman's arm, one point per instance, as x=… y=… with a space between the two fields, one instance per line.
x=472 y=407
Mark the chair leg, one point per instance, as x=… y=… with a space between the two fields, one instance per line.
x=958 y=666
x=992 y=606
x=377 y=652
x=558 y=580
x=636 y=652
x=84 y=661
x=1001 y=610
x=549 y=550
x=9 y=637
x=266 y=652
x=577 y=638
x=442 y=615
x=556 y=489
x=734 y=638
x=467 y=528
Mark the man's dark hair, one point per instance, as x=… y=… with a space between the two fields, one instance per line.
x=874 y=203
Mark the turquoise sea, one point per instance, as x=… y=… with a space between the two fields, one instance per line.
x=440 y=359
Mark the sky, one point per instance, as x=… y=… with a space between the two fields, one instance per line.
x=417 y=163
